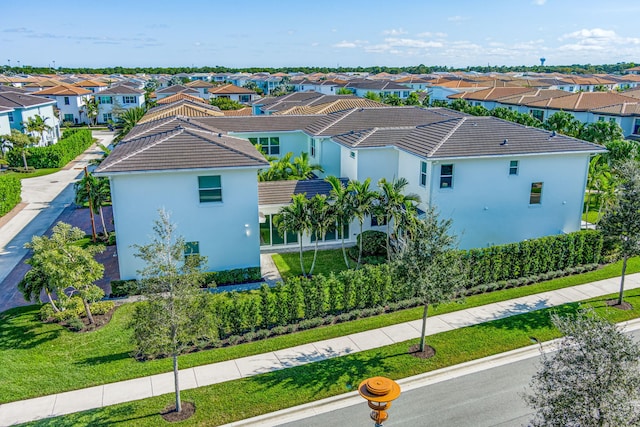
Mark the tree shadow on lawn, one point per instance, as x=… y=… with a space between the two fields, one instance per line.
x=533 y=319
x=21 y=328
x=99 y=360
x=103 y=417
x=318 y=377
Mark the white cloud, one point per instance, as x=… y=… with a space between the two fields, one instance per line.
x=430 y=34
x=539 y=2
x=344 y=44
x=314 y=44
x=394 y=32
x=457 y=18
x=595 y=39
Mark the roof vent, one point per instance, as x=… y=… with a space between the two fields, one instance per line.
x=219 y=135
x=505 y=142
x=553 y=133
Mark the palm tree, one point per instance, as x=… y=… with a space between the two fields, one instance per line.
x=303 y=169
x=37 y=124
x=363 y=199
x=128 y=120
x=294 y=218
x=321 y=218
x=344 y=208
x=19 y=142
x=95 y=192
x=90 y=107
x=34 y=282
x=394 y=204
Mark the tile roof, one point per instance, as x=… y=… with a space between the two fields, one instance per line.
x=257 y=123
x=178 y=96
x=181 y=148
x=176 y=89
x=22 y=100
x=280 y=192
x=120 y=89
x=536 y=95
x=183 y=107
x=199 y=83
x=90 y=83
x=625 y=109
x=331 y=107
x=165 y=124
x=466 y=137
x=230 y=89
x=246 y=111
x=582 y=101
x=64 y=90
x=492 y=94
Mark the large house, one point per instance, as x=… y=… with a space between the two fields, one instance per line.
x=498 y=181
x=70 y=100
x=18 y=106
x=119 y=99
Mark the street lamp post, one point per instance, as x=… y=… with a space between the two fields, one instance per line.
x=379 y=393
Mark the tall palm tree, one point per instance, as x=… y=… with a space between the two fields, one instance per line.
x=363 y=198
x=394 y=204
x=95 y=192
x=294 y=218
x=37 y=124
x=90 y=107
x=344 y=209
x=128 y=120
x=321 y=218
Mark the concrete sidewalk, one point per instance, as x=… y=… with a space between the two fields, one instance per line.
x=44 y=199
x=140 y=388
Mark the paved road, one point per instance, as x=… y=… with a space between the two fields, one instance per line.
x=46 y=197
x=487 y=398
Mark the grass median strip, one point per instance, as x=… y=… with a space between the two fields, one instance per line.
x=55 y=360
x=235 y=400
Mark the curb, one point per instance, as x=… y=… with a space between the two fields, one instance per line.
x=353 y=398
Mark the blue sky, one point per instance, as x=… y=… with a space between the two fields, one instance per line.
x=270 y=33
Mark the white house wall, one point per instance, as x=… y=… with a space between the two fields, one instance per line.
x=227 y=232
x=330 y=157
x=377 y=163
x=348 y=164
x=295 y=142
x=488 y=206
x=409 y=168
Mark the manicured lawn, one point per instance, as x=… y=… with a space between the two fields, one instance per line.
x=328 y=261
x=55 y=360
x=37 y=172
x=239 y=399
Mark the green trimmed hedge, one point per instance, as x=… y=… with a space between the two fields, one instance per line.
x=10 y=190
x=123 y=288
x=73 y=143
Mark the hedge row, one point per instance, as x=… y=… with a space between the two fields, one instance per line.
x=10 y=190
x=531 y=257
x=123 y=288
x=54 y=156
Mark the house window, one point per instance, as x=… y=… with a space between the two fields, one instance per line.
x=601 y=119
x=313 y=148
x=105 y=100
x=68 y=118
x=405 y=94
x=269 y=234
x=513 y=167
x=536 y=193
x=271 y=146
x=128 y=99
x=210 y=188
x=423 y=174
x=378 y=220
x=10 y=115
x=66 y=100
x=352 y=154
x=612 y=119
x=446 y=176
x=570 y=88
x=538 y=114
x=106 y=117
x=244 y=98
x=191 y=248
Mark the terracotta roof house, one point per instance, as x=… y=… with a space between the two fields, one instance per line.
x=233 y=92
x=180 y=95
x=202 y=86
x=172 y=90
x=184 y=108
x=92 y=85
x=70 y=100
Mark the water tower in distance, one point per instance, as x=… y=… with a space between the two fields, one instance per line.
x=542 y=61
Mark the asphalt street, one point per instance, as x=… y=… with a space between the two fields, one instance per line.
x=491 y=397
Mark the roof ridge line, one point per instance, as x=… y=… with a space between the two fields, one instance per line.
x=336 y=121
x=170 y=133
x=365 y=134
x=446 y=137
x=228 y=147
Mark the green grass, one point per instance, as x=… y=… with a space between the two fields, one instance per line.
x=328 y=261
x=244 y=398
x=36 y=173
x=42 y=352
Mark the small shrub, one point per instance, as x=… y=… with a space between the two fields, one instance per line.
x=279 y=330
x=124 y=288
x=289 y=329
x=75 y=324
x=262 y=334
x=367 y=312
x=234 y=339
x=512 y=283
x=10 y=190
x=329 y=320
x=249 y=336
x=102 y=307
x=580 y=269
x=522 y=281
x=64 y=316
x=310 y=323
x=46 y=312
